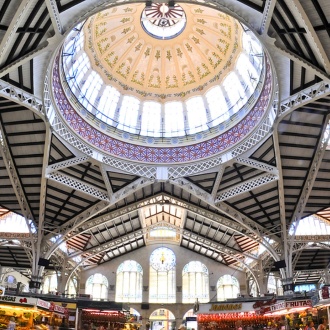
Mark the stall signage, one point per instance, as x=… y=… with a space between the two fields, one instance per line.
x=278 y=307
x=8 y=298
x=43 y=304
x=59 y=309
x=298 y=303
x=17 y=299
x=225 y=307
x=2 y=290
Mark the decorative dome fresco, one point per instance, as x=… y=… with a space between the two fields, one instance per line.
x=160 y=77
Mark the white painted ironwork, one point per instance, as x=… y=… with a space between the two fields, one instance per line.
x=67 y=163
x=303 y=97
x=217 y=181
x=255 y=164
x=245 y=186
x=267 y=16
x=22 y=97
x=79 y=185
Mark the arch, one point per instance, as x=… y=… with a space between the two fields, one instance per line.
x=162 y=282
x=129 y=282
x=195 y=282
x=97 y=286
x=227 y=287
x=162 y=319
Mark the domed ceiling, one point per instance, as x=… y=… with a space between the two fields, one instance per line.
x=199 y=55
x=164 y=84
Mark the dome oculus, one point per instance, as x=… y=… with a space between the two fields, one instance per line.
x=162 y=21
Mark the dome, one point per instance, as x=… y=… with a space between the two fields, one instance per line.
x=162 y=76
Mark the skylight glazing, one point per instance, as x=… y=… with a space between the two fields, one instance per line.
x=161 y=117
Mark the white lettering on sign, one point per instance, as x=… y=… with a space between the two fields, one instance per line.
x=43 y=304
x=59 y=309
x=277 y=307
x=298 y=303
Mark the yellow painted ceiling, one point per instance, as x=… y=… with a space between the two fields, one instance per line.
x=134 y=62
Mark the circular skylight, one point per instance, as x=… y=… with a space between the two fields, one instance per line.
x=163 y=21
x=158 y=88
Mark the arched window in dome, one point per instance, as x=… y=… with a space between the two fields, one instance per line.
x=227 y=287
x=174 y=119
x=129 y=282
x=90 y=89
x=196 y=114
x=97 y=286
x=248 y=73
x=253 y=47
x=128 y=115
x=151 y=118
x=108 y=105
x=195 y=282
x=235 y=92
x=162 y=282
x=217 y=105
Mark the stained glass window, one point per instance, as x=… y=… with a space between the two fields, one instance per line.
x=195 y=282
x=227 y=287
x=97 y=286
x=162 y=282
x=129 y=282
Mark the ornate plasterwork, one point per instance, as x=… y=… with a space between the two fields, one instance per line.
x=136 y=63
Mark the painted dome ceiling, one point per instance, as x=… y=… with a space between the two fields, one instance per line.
x=126 y=45
x=164 y=84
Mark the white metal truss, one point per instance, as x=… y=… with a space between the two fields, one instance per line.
x=16 y=21
x=303 y=97
x=175 y=172
x=78 y=224
x=21 y=97
x=106 y=180
x=42 y=203
x=263 y=130
x=54 y=16
x=136 y=169
x=221 y=248
x=82 y=217
x=79 y=185
x=312 y=238
x=267 y=16
x=14 y=178
x=193 y=189
x=67 y=163
x=257 y=165
x=217 y=181
x=245 y=186
x=303 y=21
x=312 y=173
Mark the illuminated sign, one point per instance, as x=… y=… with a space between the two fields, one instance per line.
x=225 y=307
x=2 y=291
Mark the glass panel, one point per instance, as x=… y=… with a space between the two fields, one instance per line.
x=196 y=115
x=151 y=119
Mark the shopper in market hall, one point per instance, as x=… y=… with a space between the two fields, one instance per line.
x=11 y=324
x=310 y=326
x=323 y=324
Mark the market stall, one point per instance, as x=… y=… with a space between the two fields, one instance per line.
x=26 y=312
x=237 y=315
x=109 y=315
